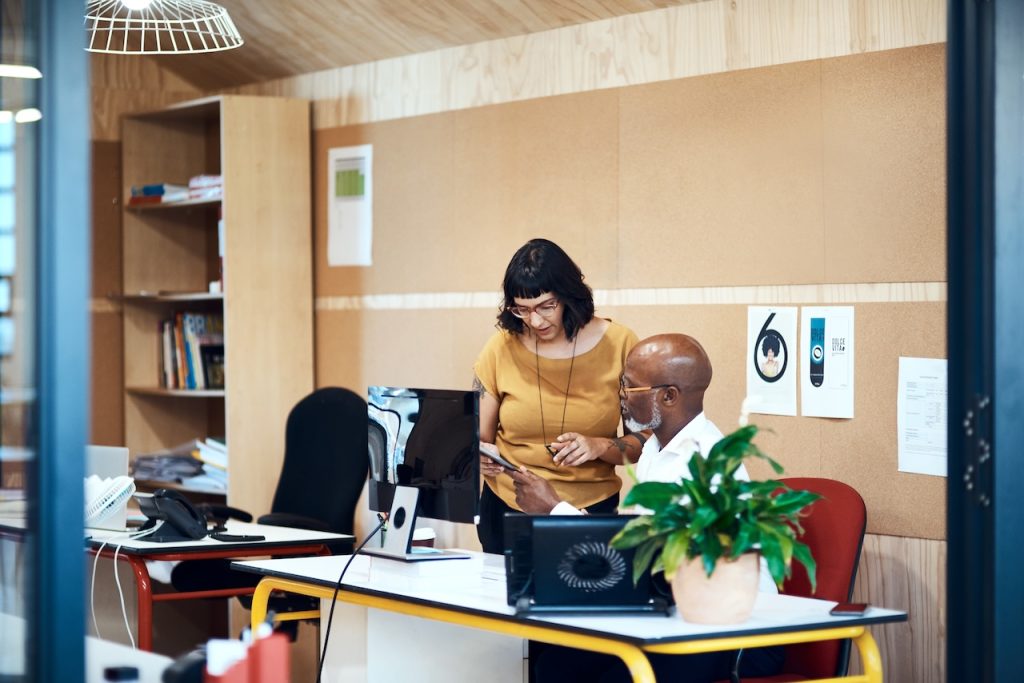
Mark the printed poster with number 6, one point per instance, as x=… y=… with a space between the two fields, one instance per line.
x=771 y=360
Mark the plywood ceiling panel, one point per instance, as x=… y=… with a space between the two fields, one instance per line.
x=289 y=37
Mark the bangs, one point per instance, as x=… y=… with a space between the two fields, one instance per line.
x=529 y=283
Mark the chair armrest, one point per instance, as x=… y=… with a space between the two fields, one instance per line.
x=218 y=511
x=294 y=521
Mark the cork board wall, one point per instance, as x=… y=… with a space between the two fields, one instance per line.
x=828 y=172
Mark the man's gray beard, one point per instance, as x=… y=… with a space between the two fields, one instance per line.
x=654 y=423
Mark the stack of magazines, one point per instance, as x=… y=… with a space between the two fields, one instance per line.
x=181 y=465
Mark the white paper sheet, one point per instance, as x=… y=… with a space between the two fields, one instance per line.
x=350 y=206
x=826 y=361
x=921 y=407
x=771 y=360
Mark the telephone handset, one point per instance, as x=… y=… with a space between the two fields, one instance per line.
x=181 y=521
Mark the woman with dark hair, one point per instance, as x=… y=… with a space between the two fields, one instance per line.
x=549 y=382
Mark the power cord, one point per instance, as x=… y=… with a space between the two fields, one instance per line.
x=337 y=587
x=117 y=579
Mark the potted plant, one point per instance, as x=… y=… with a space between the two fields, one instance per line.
x=706 y=532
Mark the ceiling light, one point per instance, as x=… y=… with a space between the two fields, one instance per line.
x=28 y=115
x=19 y=71
x=6 y=116
x=159 y=27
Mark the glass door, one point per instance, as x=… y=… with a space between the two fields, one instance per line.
x=44 y=138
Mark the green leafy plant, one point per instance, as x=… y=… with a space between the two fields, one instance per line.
x=714 y=515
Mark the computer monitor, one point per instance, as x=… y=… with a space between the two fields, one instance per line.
x=424 y=448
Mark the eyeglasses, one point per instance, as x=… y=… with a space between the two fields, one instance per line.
x=544 y=310
x=623 y=389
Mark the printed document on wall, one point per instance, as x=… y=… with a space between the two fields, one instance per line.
x=771 y=360
x=826 y=361
x=921 y=416
x=350 y=206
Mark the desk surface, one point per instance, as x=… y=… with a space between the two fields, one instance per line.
x=477 y=586
x=274 y=536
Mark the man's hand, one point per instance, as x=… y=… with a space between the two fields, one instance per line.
x=534 y=494
x=572 y=449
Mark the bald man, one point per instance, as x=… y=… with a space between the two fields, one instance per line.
x=662 y=390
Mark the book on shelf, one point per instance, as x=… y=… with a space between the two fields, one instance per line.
x=205 y=180
x=213 y=453
x=157 y=193
x=192 y=351
x=157 y=189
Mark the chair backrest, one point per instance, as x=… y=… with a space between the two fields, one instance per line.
x=325 y=458
x=834 y=532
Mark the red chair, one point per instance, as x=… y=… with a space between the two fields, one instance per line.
x=834 y=531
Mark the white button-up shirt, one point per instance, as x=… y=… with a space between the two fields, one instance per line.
x=670 y=463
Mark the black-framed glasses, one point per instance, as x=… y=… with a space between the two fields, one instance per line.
x=545 y=309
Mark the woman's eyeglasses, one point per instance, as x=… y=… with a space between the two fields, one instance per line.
x=544 y=310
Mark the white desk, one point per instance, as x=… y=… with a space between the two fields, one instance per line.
x=136 y=551
x=472 y=593
x=99 y=654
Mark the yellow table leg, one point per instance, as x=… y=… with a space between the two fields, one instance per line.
x=870 y=657
x=633 y=657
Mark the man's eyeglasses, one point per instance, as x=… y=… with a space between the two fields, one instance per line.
x=623 y=389
x=544 y=310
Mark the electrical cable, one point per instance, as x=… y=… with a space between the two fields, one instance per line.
x=132 y=535
x=337 y=587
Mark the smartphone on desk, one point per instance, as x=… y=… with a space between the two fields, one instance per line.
x=849 y=609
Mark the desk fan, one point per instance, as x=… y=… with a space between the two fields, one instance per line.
x=106 y=497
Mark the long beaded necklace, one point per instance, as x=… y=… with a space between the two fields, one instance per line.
x=540 y=398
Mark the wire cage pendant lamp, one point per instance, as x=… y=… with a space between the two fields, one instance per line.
x=159 y=27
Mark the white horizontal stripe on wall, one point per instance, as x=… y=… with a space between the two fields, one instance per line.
x=836 y=293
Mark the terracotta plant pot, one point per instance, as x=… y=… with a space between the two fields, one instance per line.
x=727 y=597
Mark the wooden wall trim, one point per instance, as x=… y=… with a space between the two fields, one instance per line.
x=754 y=295
x=676 y=42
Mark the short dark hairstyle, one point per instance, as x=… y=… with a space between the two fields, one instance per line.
x=541 y=266
x=770 y=343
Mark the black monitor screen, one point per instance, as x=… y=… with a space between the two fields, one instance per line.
x=428 y=439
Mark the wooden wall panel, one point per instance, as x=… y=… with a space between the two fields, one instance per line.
x=670 y=43
x=107 y=399
x=122 y=84
x=414 y=188
x=723 y=174
x=531 y=169
x=884 y=178
x=907 y=574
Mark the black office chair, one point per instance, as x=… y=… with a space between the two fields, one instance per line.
x=324 y=469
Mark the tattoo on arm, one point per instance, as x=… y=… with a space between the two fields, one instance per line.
x=620 y=444
x=479 y=386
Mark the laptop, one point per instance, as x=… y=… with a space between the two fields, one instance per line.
x=564 y=564
x=108 y=463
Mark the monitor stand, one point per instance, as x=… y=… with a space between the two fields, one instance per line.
x=401 y=524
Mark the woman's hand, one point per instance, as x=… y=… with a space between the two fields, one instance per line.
x=572 y=449
x=488 y=467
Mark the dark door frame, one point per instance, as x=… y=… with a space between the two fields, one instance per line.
x=985 y=595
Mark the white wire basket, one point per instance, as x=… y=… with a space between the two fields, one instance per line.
x=161 y=27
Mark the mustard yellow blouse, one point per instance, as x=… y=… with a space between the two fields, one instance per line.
x=509 y=372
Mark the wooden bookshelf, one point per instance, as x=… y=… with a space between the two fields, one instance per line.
x=183 y=204
x=261 y=148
